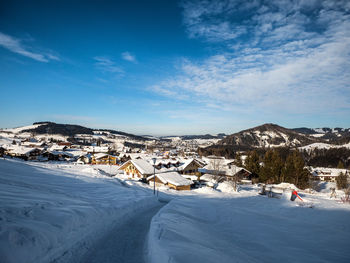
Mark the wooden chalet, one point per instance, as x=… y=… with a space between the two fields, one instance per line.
x=103 y=158
x=191 y=166
x=227 y=171
x=24 y=153
x=170 y=179
x=57 y=155
x=137 y=168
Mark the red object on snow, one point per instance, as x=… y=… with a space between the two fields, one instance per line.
x=296 y=193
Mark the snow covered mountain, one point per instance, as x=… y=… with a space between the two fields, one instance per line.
x=267 y=135
x=65 y=131
x=333 y=135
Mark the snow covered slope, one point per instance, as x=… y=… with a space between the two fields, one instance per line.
x=247 y=227
x=51 y=212
x=323 y=146
x=267 y=135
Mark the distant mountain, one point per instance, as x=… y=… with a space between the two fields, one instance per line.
x=267 y=135
x=332 y=135
x=194 y=137
x=272 y=135
x=205 y=136
x=71 y=130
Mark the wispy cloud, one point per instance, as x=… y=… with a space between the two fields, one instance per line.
x=17 y=46
x=129 y=57
x=106 y=64
x=285 y=56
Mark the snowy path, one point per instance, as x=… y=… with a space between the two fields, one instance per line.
x=125 y=243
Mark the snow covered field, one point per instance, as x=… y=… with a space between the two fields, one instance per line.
x=54 y=212
x=246 y=227
x=63 y=213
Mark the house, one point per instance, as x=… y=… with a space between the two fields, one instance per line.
x=124 y=157
x=56 y=147
x=54 y=155
x=327 y=174
x=225 y=170
x=103 y=158
x=33 y=144
x=191 y=166
x=68 y=144
x=25 y=153
x=167 y=163
x=137 y=168
x=96 y=149
x=171 y=179
x=84 y=159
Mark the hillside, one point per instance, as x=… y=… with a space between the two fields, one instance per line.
x=332 y=135
x=68 y=130
x=267 y=135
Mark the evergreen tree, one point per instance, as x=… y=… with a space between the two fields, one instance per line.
x=238 y=160
x=252 y=163
x=302 y=175
x=294 y=171
x=266 y=172
x=340 y=165
x=277 y=166
x=342 y=181
x=288 y=170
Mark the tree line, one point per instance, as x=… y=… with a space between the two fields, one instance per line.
x=277 y=166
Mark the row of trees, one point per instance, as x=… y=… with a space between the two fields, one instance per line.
x=327 y=157
x=277 y=165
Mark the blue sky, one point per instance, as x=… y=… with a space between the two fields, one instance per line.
x=175 y=67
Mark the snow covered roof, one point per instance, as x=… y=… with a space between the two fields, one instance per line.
x=30 y=143
x=173 y=178
x=333 y=172
x=207 y=177
x=20 y=150
x=188 y=162
x=56 y=147
x=100 y=155
x=97 y=149
x=61 y=153
x=226 y=167
x=143 y=166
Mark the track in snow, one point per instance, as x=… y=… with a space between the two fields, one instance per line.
x=125 y=243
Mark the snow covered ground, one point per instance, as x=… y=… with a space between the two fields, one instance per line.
x=54 y=212
x=246 y=227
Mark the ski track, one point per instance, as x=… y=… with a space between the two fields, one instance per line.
x=124 y=243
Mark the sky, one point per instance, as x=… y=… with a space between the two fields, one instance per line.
x=175 y=67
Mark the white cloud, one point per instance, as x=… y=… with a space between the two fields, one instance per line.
x=128 y=57
x=292 y=57
x=106 y=64
x=16 y=46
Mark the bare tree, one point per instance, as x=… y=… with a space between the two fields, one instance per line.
x=217 y=168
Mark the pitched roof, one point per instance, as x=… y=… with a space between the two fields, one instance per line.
x=173 y=178
x=20 y=150
x=143 y=166
x=188 y=162
x=100 y=155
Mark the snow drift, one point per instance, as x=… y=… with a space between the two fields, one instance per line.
x=50 y=213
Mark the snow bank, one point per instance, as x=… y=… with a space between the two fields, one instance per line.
x=249 y=229
x=49 y=213
x=226 y=187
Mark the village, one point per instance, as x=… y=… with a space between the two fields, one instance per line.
x=171 y=163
